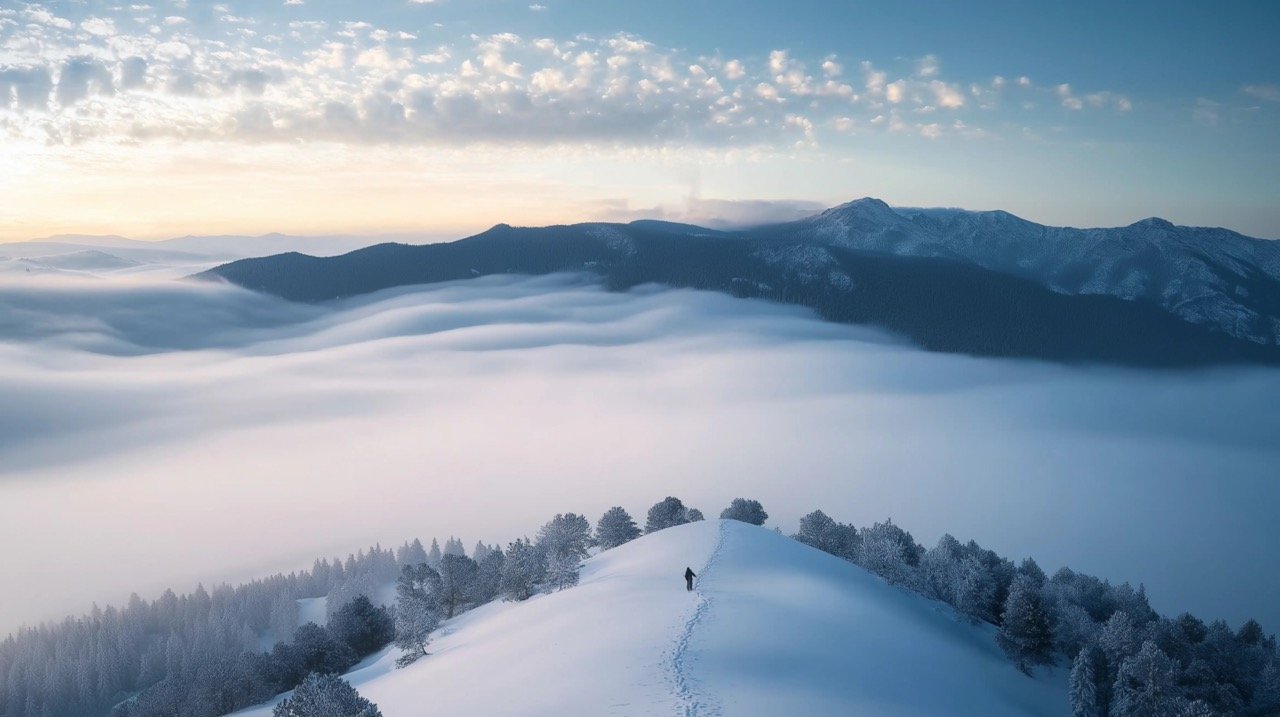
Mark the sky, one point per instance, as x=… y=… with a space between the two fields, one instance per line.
x=438 y=118
x=235 y=435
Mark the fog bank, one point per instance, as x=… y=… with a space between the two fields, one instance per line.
x=157 y=433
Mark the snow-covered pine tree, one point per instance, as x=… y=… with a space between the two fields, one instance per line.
x=564 y=541
x=975 y=590
x=457 y=582
x=1083 y=686
x=523 y=569
x=411 y=553
x=693 y=515
x=562 y=570
x=416 y=618
x=615 y=528
x=433 y=555
x=1266 y=696
x=940 y=569
x=1146 y=685
x=1024 y=633
x=1119 y=639
x=417 y=610
x=363 y=626
x=890 y=552
x=453 y=546
x=666 y=513
x=745 y=510
x=819 y=530
x=489 y=576
x=325 y=696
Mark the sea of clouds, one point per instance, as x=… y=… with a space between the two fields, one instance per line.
x=161 y=433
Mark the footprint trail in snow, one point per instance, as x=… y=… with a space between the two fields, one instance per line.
x=690 y=701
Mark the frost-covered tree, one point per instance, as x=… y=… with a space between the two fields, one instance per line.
x=1266 y=696
x=1146 y=685
x=322 y=695
x=1119 y=639
x=890 y=552
x=411 y=553
x=1086 y=700
x=313 y=649
x=1073 y=629
x=820 y=531
x=666 y=513
x=419 y=582
x=457 y=582
x=479 y=552
x=562 y=571
x=563 y=542
x=1024 y=633
x=453 y=546
x=975 y=590
x=567 y=533
x=363 y=626
x=616 y=527
x=433 y=555
x=693 y=515
x=523 y=568
x=940 y=569
x=417 y=610
x=415 y=620
x=489 y=576
x=745 y=510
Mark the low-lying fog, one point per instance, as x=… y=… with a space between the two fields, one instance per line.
x=159 y=434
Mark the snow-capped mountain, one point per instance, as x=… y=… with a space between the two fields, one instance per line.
x=1212 y=277
x=949 y=280
x=774 y=627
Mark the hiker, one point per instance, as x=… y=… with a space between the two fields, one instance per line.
x=689 y=575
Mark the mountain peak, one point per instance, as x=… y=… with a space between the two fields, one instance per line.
x=1154 y=223
x=868 y=208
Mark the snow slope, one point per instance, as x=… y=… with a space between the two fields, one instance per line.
x=774 y=627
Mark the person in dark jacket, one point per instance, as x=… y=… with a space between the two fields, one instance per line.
x=689 y=575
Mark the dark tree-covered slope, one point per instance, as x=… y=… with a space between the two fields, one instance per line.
x=942 y=301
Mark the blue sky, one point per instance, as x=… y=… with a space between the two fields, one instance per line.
x=448 y=116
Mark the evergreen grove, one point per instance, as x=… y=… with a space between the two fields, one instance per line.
x=216 y=651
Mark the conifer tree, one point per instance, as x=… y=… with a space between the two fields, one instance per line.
x=615 y=528
x=1024 y=628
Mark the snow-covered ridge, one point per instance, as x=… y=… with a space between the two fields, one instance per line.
x=774 y=627
x=1208 y=276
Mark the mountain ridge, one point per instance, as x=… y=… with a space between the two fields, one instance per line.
x=985 y=283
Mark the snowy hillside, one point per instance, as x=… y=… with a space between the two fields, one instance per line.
x=774 y=627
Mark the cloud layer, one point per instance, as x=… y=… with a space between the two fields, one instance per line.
x=157 y=434
x=143 y=75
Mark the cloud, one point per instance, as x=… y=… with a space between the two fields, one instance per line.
x=479 y=408
x=261 y=80
x=714 y=213
x=1205 y=112
x=1270 y=93
x=928 y=66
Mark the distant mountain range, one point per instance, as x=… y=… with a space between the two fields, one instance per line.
x=225 y=246
x=982 y=283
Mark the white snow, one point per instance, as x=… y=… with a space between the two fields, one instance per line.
x=773 y=628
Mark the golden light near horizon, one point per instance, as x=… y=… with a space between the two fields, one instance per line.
x=159 y=121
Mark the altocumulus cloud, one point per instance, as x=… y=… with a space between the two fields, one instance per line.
x=146 y=75
x=199 y=432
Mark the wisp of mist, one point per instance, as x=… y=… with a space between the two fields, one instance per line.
x=158 y=434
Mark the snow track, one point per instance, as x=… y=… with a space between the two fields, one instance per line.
x=691 y=702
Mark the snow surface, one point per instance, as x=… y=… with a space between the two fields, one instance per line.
x=774 y=627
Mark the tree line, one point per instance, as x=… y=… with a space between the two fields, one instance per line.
x=210 y=653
